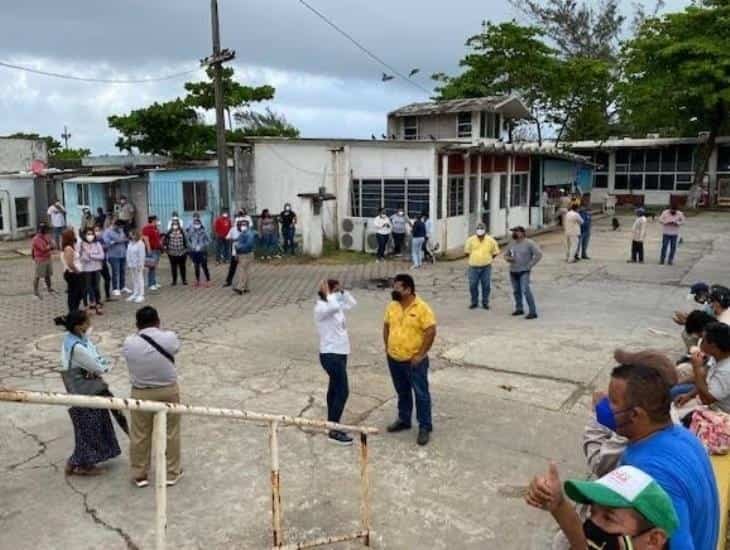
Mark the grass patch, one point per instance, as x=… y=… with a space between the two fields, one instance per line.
x=332 y=254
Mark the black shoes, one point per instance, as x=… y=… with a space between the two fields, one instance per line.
x=237 y=291
x=398 y=426
x=518 y=312
x=473 y=306
x=339 y=438
x=531 y=316
x=486 y=306
x=423 y=437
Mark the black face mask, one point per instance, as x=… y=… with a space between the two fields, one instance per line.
x=397 y=295
x=515 y=236
x=599 y=537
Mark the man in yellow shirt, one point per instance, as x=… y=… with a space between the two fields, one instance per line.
x=481 y=249
x=409 y=330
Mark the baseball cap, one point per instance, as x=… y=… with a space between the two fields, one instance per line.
x=628 y=487
x=698 y=288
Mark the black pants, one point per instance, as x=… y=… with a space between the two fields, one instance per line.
x=338 y=390
x=200 y=259
x=178 y=264
x=92 y=294
x=382 y=244
x=76 y=289
x=232 y=270
x=637 y=251
x=107 y=279
x=398 y=240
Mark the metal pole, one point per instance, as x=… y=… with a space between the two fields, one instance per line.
x=159 y=444
x=278 y=536
x=220 y=122
x=364 y=489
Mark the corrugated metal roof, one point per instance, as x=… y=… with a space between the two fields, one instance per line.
x=99 y=179
x=527 y=148
x=641 y=142
x=490 y=103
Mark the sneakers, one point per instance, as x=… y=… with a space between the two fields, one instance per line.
x=141 y=482
x=132 y=298
x=125 y=290
x=154 y=287
x=398 y=426
x=116 y=293
x=423 y=437
x=138 y=300
x=173 y=480
x=37 y=297
x=339 y=438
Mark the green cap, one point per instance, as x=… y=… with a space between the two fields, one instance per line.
x=628 y=487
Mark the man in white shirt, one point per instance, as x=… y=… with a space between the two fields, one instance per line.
x=671 y=220
x=719 y=301
x=334 y=347
x=571 y=224
x=383 y=229
x=57 y=217
x=638 y=234
x=232 y=237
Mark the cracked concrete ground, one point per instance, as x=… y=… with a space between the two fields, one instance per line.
x=509 y=395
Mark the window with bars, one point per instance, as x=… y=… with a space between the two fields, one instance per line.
x=463 y=125
x=372 y=197
x=600 y=181
x=417 y=197
x=394 y=195
x=355 y=198
x=368 y=196
x=82 y=194
x=410 y=127
x=455 y=203
x=22 y=212
x=518 y=191
x=195 y=196
x=489 y=125
x=503 y=191
x=684 y=182
x=623 y=158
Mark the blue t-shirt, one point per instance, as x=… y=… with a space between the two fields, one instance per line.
x=676 y=459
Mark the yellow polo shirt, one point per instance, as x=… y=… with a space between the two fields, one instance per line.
x=406 y=328
x=481 y=252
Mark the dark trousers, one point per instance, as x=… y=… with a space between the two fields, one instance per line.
x=232 y=270
x=76 y=289
x=398 y=241
x=409 y=381
x=104 y=273
x=382 y=244
x=338 y=390
x=287 y=233
x=200 y=260
x=178 y=264
x=521 y=287
x=637 y=251
x=585 y=238
x=669 y=243
x=222 y=250
x=92 y=293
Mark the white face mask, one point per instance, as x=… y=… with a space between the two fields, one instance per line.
x=481 y=232
x=90 y=238
x=287 y=208
x=400 y=212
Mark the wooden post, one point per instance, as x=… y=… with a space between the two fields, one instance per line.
x=159 y=445
x=278 y=536
x=364 y=489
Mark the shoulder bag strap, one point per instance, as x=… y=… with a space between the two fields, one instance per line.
x=158 y=347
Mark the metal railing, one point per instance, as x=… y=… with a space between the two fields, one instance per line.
x=159 y=446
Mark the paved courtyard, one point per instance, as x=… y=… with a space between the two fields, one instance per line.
x=509 y=395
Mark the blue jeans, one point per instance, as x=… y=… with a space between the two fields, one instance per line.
x=382 y=244
x=585 y=239
x=338 y=391
x=520 y=287
x=480 y=276
x=680 y=389
x=268 y=244
x=417 y=250
x=152 y=271
x=222 y=250
x=118 y=268
x=407 y=381
x=57 y=235
x=668 y=242
x=288 y=233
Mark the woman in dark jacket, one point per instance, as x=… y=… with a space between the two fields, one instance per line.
x=176 y=246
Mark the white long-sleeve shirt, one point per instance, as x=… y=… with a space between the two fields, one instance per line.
x=639 y=229
x=136 y=253
x=382 y=225
x=572 y=222
x=329 y=317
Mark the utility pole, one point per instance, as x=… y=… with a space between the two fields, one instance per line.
x=66 y=136
x=216 y=60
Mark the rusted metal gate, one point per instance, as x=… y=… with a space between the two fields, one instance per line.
x=159 y=444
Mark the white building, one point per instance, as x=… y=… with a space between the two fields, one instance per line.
x=17 y=206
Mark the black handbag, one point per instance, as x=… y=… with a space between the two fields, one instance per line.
x=82 y=382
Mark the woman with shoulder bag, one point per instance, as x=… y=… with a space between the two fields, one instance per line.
x=81 y=370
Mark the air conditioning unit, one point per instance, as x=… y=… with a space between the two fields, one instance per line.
x=352 y=234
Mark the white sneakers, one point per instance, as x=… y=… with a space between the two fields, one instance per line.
x=155 y=287
x=126 y=290
x=116 y=293
x=136 y=299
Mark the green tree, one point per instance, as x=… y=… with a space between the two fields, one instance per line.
x=676 y=76
x=266 y=124
x=508 y=59
x=70 y=154
x=235 y=95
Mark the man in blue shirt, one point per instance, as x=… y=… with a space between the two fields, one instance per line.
x=673 y=456
x=581 y=252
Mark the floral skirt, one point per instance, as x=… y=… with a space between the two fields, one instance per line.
x=95 y=440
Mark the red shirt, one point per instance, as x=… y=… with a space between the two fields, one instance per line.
x=153 y=235
x=222 y=226
x=41 y=248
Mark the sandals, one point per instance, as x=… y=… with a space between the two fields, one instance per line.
x=82 y=470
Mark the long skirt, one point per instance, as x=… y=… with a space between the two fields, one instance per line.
x=95 y=440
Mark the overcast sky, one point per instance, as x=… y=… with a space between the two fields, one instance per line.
x=325 y=86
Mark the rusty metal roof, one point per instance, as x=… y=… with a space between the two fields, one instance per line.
x=490 y=103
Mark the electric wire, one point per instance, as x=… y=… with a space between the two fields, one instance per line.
x=98 y=80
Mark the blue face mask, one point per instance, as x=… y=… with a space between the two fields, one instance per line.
x=605 y=415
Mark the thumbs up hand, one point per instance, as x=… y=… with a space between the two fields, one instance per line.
x=546 y=491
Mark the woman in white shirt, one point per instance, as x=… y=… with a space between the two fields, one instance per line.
x=334 y=347
x=383 y=229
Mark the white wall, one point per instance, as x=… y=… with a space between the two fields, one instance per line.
x=651 y=198
x=16 y=155
x=10 y=189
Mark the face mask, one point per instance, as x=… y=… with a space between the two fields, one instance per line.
x=90 y=238
x=515 y=236
x=397 y=295
x=400 y=212
x=197 y=224
x=481 y=232
x=599 y=537
x=243 y=228
x=225 y=215
x=606 y=416
x=175 y=226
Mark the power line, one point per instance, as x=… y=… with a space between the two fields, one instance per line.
x=101 y=80
x=362 y=48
